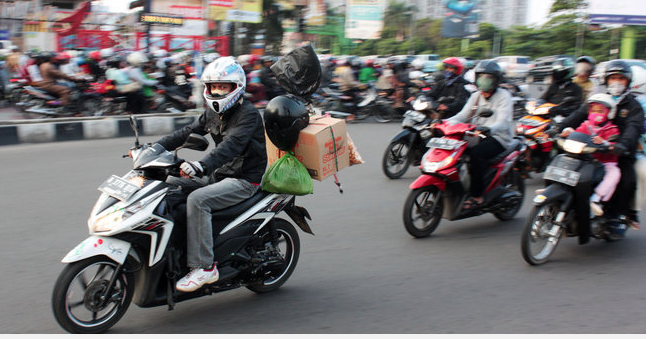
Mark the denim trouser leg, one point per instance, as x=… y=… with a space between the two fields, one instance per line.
x=201 y=202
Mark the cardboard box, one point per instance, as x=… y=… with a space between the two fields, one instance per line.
x=315 y=147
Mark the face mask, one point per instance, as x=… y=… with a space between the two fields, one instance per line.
x=596 y=118
x=448 y=75
x=484 y=84
x=616 y=88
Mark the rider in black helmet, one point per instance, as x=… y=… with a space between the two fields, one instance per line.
x=562 y=91
x=630 y=122
x=584 y=68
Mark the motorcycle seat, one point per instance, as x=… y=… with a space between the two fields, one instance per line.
x=515 y=144
x=235 y=210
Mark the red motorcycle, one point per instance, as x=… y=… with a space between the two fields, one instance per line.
x=444 y=185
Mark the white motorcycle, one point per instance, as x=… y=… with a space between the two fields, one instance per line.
x=137 y=248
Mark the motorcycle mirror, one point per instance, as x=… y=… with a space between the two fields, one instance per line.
x=196 y=142
x=134 y=126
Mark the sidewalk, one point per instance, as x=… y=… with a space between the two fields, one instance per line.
x=15 y=129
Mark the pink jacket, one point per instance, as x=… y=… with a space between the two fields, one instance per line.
x=608 y=131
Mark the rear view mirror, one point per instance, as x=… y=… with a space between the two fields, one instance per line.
x=196 y=142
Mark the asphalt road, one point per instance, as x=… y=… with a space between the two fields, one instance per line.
x=360 y=273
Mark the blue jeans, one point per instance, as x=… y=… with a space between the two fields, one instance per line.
x=201 y=202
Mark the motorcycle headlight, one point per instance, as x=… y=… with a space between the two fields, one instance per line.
x=108 y=222
x=112 y=220
x=431 y=167
x=573 y=146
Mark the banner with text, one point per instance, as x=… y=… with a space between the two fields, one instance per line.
x=236 y=10
x=364 y=18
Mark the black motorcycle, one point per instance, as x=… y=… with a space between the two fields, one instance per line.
x=570 y=176
x=409 y=145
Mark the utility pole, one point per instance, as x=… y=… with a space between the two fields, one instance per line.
x=147 y=9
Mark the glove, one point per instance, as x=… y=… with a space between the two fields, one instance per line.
x=484 y=130
x=192 y=168
x=618 y=149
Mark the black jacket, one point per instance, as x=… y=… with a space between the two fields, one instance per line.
x=629 y=121
x=240 y=150
x=567 y=95
x=453 y=95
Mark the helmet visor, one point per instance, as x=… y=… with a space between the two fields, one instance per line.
x=219 y=90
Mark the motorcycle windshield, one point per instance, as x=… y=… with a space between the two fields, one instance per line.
x=155 y=154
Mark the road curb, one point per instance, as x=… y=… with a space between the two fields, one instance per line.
x=54 y=130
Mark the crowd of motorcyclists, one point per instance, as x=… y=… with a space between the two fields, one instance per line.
x=138 y=76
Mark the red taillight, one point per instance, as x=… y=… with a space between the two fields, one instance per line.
x=160 y=91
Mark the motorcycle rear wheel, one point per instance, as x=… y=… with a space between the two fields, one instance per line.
x=383 y=113
x=290 y=249
x=76 y=301
x=423 y=210
x=536 y=244
x=396 y=160
x=515 y=182
x=90 y=107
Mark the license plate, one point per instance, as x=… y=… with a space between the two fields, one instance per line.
x=118 y=188
x=562 y=175
x=443 y=143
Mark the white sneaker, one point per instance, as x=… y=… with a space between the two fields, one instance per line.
x=197 y=278
x=596 y=208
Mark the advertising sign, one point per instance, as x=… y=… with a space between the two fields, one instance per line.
x=315 y=14
x=161 y=19
x=629 y=12
x=236 y=10
x=364 y=18
x=461 y=18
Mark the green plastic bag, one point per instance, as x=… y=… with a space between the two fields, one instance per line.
x=289 y=176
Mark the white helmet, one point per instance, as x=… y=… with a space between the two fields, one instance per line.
x=606 y=100
x=136 y=59
x=417 y=63
x=638 y=83
x=223 y=70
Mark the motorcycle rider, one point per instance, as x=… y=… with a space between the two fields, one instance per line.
x=562 y=91
x=630 y=122
x=229 y=174
x=268 y=79
x=498 y=127
x=50 y=73
x=584 y=68
x=450 y=93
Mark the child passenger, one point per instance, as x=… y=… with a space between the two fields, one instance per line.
x=603 y=131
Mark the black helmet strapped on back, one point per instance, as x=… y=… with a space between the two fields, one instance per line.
x=618 y=67
x=284 y=118
x=562 y=70
x=492 y=78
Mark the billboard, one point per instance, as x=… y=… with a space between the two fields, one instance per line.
x=364 y=18
x=461 y=18
x=629 y=12
x=236 y=10
x=315 y=13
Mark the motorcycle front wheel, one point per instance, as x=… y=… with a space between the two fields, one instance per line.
x=77 y=299
x=537 y=243
x=290 y=247
x=396 y=160
x=423 y=210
